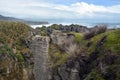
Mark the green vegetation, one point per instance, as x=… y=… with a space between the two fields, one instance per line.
x=55 y=26
x=6 y=50
x=12 y=49
x=95 y=75
x=78 y=37
x=94 y=41
x=60 y=58
x=12 y=31
x=43 y=28
x=113 y=72
x=111 y=46
x=113 y=41
x=12 y=44
x=20 y=58
x=12 y=37
x=56 y=56
x=41 y=31
x=100 y=54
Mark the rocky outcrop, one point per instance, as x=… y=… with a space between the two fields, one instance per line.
x=99 y=65
x=57 y=37
x=40 y=47
x=73 y=28
x=67 y=28
x=66 y=56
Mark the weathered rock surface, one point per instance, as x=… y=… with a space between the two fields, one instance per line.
x=73 y=28
x=40 y=47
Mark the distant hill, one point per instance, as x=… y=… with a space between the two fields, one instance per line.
x=9 y=18
x=5 y=18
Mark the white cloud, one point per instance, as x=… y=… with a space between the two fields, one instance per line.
x=25 y=8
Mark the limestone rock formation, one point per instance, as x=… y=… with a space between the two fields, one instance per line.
x=40 y=47
x=63 y=55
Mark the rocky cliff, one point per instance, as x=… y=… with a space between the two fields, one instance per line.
x=26 y=55
x=94 y=59
x=15 y=56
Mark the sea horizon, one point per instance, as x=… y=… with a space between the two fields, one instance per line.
x=87 y=24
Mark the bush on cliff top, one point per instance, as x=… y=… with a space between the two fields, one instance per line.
x=12 y=37
x=95 y=31
x=111 y=44
x=11 y=31
x=78 y=37
x=12 y=48
x=113 y=41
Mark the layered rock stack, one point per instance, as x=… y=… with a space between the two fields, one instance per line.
x=40 y=47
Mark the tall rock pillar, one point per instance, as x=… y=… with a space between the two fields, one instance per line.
x=40 y=47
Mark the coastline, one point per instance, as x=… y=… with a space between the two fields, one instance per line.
x=89 y=25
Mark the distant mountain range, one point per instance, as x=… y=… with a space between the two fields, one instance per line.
x=5 y=18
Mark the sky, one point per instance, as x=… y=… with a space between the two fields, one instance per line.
x=100 y=10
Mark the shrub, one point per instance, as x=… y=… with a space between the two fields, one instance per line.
x=55 y=26
x=43 y=33
x=113 y=72
x=94 y=31
x=13 y=31
x=43 y=28
x=113 y=41
x=78 y=37
x=20 y=58
x=59 y=59
x=100 y=29
x=72 y=50
x=12 y=36
x=94 y=75
x=66 y=42
x=56 y=56
x=7 y=50
x=88 y=35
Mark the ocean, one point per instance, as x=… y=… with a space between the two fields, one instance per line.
x=89 y=25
